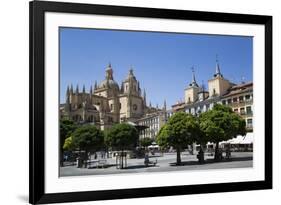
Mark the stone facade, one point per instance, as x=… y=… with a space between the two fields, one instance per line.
x=240 y=99
x=153 y=122
x=220 y=90
x=106 y=103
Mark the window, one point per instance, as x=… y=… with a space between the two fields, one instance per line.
x=234 y=100
x=249 y=122
x=214 y=91
x=247 y=97
x=110 y=119
x=242 y=111
x=241 y=98
x=223 y=102
x=229 y=101
x=111 y=106
x=135 y=107
x=189 y=99
x=120 y=105
x=235 y=110
x=249 y=110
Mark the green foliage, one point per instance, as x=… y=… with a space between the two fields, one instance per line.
x=87 y=137
x=162 y=138
x=121 y=136
x=68 y=144
x=67 y=127
x=145 y=142
x=180 y=130
x=221 y=123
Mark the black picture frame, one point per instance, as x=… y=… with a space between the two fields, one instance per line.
x=37 y=10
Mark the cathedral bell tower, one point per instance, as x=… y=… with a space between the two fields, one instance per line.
x=132 y=102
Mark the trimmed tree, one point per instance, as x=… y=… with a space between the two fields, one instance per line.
x=67 y=127
x=87 y=138
x=121 y=137
x=221 y=124
x=180 y=131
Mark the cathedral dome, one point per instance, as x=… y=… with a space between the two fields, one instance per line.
x=108 y=83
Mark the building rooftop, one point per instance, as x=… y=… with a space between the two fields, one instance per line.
x=240 y=88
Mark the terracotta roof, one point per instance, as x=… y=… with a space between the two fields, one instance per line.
x=241 y=88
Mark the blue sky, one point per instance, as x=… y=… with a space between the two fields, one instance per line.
x=161 y=61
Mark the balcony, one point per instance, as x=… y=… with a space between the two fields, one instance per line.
x=241 y=103
x=246 y=114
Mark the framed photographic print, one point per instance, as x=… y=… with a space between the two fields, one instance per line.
x=130 y=102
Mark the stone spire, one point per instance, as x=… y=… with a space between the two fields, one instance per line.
x=164 y=105
x=193 y=82
x=91 y=90
x=77 y=89
x=96 y=85
x=67 y=90
x=203 y=86
x=139 y=89
x=84 y=89
x=67 y=95
x=218 y=72
x=67 y=104
x=71 y=89
x=144 y=96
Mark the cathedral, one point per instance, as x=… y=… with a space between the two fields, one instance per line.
x=107 y=103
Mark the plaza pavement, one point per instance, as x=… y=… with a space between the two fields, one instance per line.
x=164 y=163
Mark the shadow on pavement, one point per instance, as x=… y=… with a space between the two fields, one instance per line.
x=100 y=167
x=140 y=166
x=211 y=161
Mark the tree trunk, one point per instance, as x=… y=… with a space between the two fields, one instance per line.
x=86 y=158
x=122 y=159
x=201 y=155
x=178 y=156
x=217 y=151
